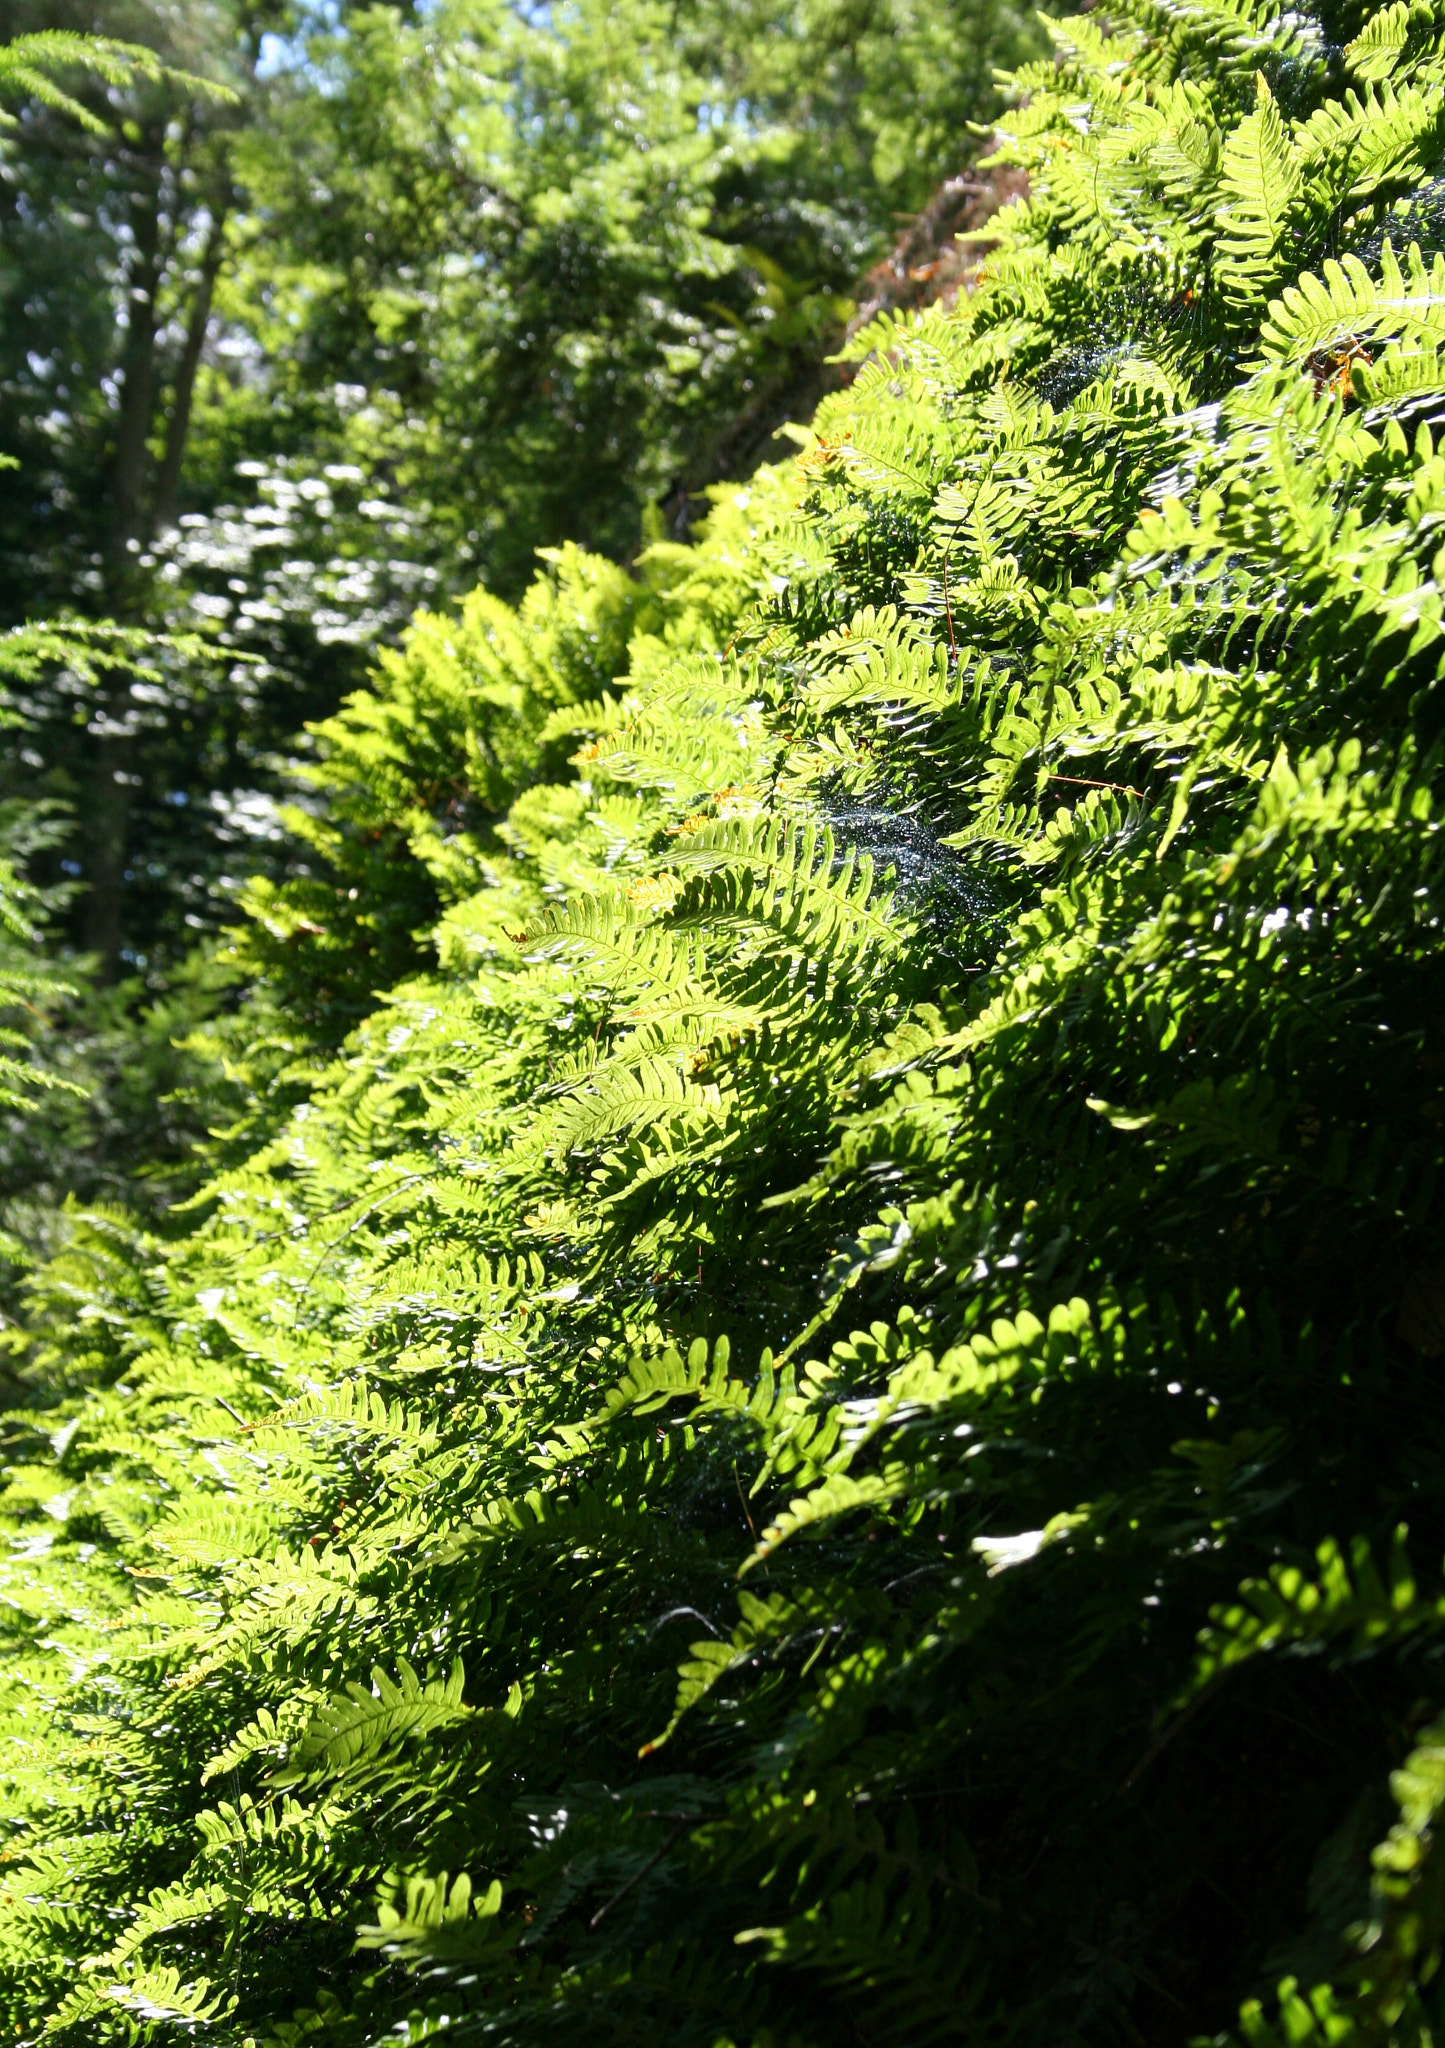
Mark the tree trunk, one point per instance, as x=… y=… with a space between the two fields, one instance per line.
x=137 y=388
x=109 y=799
x=178 y=425
x=108 y=830
x=112 y=795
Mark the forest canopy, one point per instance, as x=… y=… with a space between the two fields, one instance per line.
x=761 y=1365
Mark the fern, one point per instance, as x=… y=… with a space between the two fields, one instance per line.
x=874 y=1278
x=29 y=64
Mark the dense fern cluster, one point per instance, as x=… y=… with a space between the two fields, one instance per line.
x=829 y=1428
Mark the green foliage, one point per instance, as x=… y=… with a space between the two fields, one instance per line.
x=575 y=259
x=424 y=290
x=823 y=1424
x=87 y=653
x=28 y=65
x=101 y=1082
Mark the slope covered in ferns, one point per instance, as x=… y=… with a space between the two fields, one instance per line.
x=827 y=1428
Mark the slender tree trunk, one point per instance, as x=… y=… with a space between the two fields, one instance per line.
x=137 y=390
x=112 y=798
x=178 y=425
x=109 y=800
x=108 y=830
